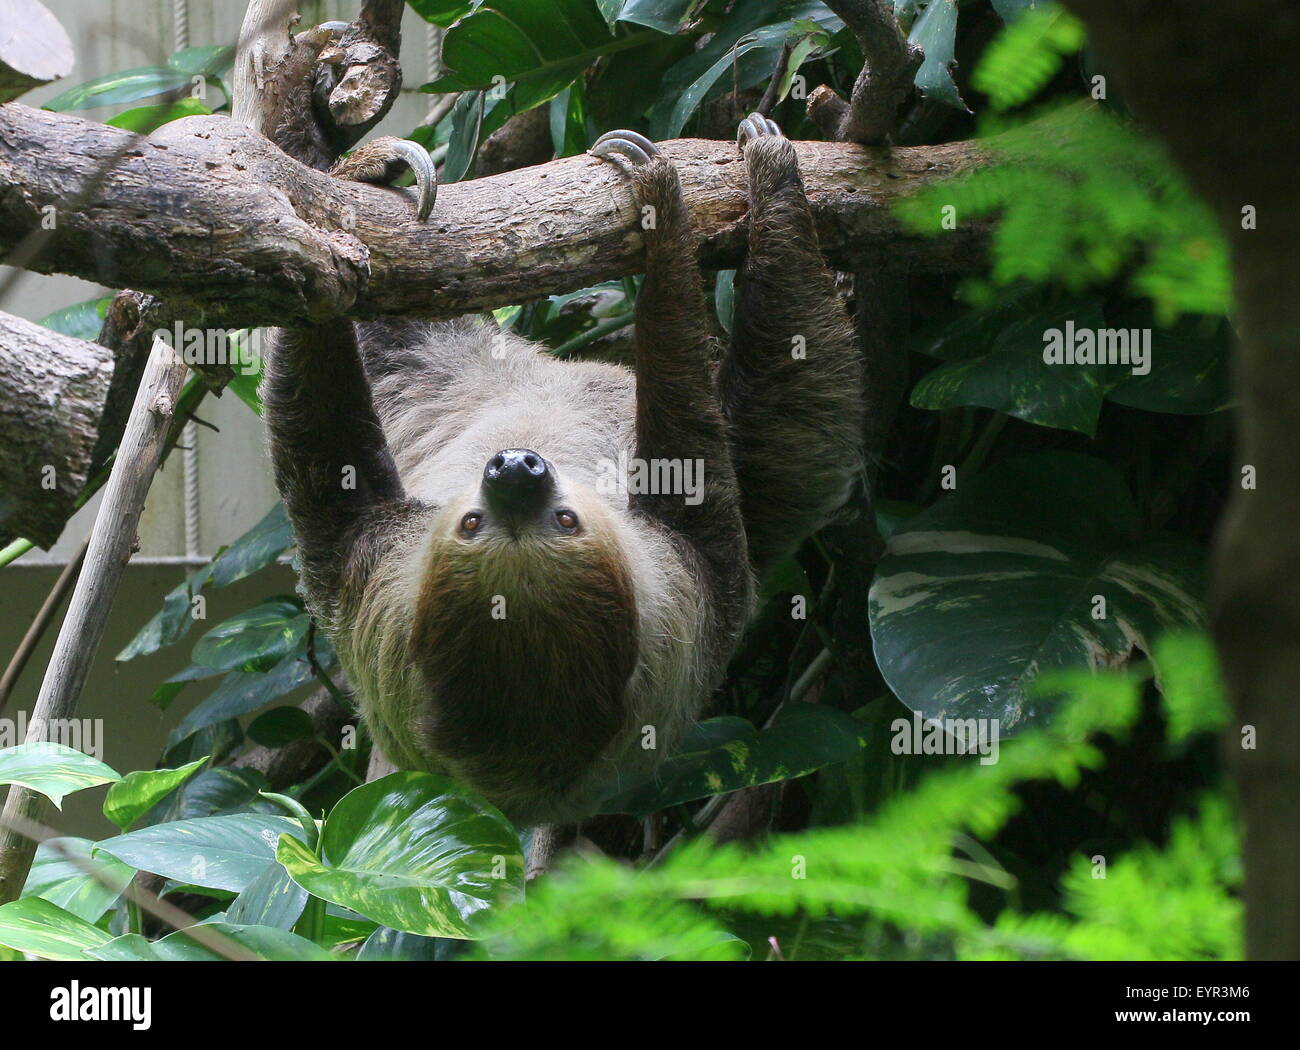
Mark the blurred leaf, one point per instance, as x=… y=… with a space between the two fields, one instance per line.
x=82 y=321
x=266 y=942
x=1026 y=55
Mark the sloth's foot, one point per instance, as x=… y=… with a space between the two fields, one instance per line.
x=665 y=222
x=630 y=144
x=756 y=126
x=770 y=159
x=381 y=160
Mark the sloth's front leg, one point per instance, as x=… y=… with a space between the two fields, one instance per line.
x=678 y=416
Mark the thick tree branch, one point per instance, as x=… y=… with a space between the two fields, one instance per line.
x=210 y=214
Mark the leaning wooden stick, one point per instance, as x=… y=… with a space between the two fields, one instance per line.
x=110 y=548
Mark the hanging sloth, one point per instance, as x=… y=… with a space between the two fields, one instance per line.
x=505 y=614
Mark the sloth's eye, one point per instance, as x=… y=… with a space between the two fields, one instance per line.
x=471 y=522
x=567 y=519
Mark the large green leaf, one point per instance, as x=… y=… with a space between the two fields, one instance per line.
x=414 y=852
x=254 y=640
x=129 y=85
x=227 y=853
x=997 y=583
x=52 y=769
x=1190 y=366
x=58 y=875
x=727 y=754
x=137 y=792
x=214 y=792
x=37 y=927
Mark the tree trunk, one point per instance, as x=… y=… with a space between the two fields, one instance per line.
x=1217 y=83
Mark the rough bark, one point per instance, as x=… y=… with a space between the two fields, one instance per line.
x=52 y=394
x=1216 y=82
x=34 y=49
x=212 y=216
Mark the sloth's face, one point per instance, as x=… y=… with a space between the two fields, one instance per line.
x=526 y=629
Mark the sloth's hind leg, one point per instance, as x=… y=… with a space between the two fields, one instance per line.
x=790 y=383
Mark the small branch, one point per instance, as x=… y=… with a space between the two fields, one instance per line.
x=889 y=66
x=36 y=630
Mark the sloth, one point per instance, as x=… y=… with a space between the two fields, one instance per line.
x=512 y=608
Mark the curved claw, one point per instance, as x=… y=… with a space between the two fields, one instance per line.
x=631 y=144
x=426 y=174
x=756 y=126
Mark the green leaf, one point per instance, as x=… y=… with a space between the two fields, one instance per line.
x=226 y=853
x=936 y=32
x=63 y=880
x=127 y=86
x=266 y=942
x=414 y=852
x=37 y=927
x=82 y=320
x=732 y=755
x=137 y=792
x=388 y=945
x=255 y=549
x=569 y=121
x=663 y=15
x=466 y=129
x=995 y=584
x=1012 y=376
x=147 y=119
x=225 y=789
x=52 y=769
x=254 y=640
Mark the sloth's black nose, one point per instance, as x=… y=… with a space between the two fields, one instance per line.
x=516 y=481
